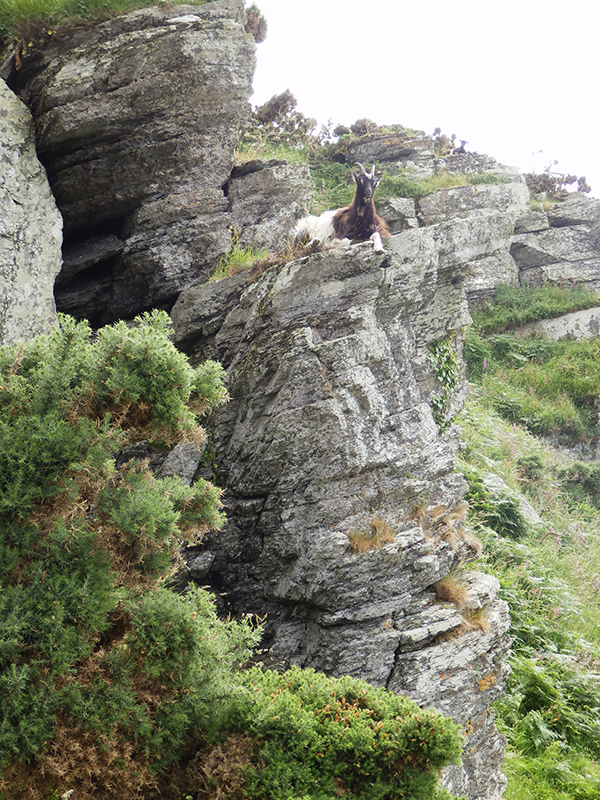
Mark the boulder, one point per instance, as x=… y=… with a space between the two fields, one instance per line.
x=577 y=209
x=577 y=325
x=532 y=221
x=266 y=199
x=30 y=228
x=462 y=201
x=388 y=147
x=398 y=212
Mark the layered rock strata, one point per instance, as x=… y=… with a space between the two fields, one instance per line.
x=329 y=441
x=561 y=244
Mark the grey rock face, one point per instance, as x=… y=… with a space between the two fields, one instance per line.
x=577 y=325
x=532 y=221
x=399 y=213
x=561 y=245
x=388 y=147
x=505 y=202
x=30 y=229
x=266 y=200
x=328 y=433
x=577 y=209
x=569 y=254
x=510 y=198
x=137 y=120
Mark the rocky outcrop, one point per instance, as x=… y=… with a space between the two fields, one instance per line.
x=329 y=441
x=30 y=229
x=266 y=199
x=137 y=120
x=576 y=325
x=560 y=245
x=506 y=202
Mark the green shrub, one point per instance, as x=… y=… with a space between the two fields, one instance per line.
x=497 y=510
x=445 y=364
x=104 y=673
x=323 y=737
x=582 y=475
x=107 y=676
x=239 y=259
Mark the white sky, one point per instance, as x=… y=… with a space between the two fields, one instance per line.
x=512 y=77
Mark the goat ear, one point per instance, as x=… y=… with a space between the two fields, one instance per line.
x=355 y=177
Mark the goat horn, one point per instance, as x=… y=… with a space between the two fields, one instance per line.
x=373 y=171
x=362 y=169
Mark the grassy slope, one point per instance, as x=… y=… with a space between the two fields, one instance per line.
x=550 y=576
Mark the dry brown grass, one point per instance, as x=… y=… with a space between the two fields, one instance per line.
x=95 y=768
x=372 y=536
x=212 y=773
x=447 y=525
x=451 y=590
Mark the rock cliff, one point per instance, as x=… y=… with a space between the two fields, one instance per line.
x=137 y=120
x=344 y=509
x=30 y=229
x=328 y=439
x=561 y=244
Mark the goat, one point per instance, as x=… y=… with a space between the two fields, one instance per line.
x=359 y=220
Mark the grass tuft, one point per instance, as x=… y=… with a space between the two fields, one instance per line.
x=372 y=536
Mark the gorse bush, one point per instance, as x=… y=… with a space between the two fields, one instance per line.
x=323 y=738
x=110 y=680
x=104 y=673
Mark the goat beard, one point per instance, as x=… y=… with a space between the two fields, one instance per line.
x=362 y=207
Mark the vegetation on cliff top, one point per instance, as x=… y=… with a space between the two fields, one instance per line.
x=108 y=677
x=280 y=131
x=29 y=23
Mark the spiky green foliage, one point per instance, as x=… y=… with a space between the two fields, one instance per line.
x=108 y=677
x=322 y=738
x=104 y=673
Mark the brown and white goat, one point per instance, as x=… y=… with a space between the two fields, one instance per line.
x=359 y=220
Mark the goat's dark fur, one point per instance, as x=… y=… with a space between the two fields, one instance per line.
x=359 y=220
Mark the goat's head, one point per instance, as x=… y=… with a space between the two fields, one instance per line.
x=365 y=186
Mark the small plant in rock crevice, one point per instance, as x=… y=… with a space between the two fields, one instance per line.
x=371 y=536
x=445 y=364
